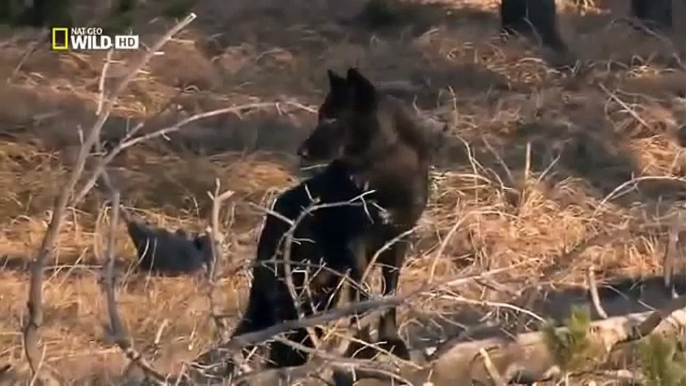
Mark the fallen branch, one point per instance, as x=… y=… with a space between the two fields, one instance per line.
x=331 y=365
x=524 y=358
x=593 y=290
x=490 y=367
x=373 y=308
x=377 y=306
x=31 y=333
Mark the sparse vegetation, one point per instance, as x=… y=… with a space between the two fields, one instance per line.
x=660 y=363
x=572 y=348
x=598 y=147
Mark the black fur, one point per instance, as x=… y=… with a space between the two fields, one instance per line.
x=327 y=236
x=160 y=251
x=519 y=16
x=383 y=145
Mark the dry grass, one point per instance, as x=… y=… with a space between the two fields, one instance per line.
x=532 y=214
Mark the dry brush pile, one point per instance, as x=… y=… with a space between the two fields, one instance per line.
x=545 y=177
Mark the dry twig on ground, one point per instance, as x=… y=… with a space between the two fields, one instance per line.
x=593 y=290
x=373 y=307
x=524 y=356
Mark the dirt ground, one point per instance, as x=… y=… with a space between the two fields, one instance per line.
x=544 y=173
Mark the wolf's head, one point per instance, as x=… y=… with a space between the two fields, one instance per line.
x=347 y=123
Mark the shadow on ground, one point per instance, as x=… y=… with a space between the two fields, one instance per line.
x=618 y=297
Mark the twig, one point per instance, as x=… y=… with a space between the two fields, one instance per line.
x=288 y=273
x=356 y=365
x=286 y=374
x=216 y=240
x=287 y=239
x=634 y=181
x=286 y=243
x=129 y=141
x=325 y=365
x=527 y=163
x=216 y=237
x=116 y=328
x=669 y=263
x=29 y=51
x=652 y=321
x=376 y=306
x=35 y=302
x=101 y=83
x=593 y=289
x=528 y=304
x=381 y=250
x=490 y=367
x=626 y=107
x=461 y=299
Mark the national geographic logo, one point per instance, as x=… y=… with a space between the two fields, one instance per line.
x=60 y=39
x=90 y=39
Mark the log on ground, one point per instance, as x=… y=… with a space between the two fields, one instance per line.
x=527 y=356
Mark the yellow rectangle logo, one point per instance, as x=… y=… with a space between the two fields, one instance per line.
x=60 y=39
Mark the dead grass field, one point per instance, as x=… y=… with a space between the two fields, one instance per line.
x=546 y=217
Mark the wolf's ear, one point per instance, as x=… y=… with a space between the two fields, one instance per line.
x=336 y=82
x=364 y=92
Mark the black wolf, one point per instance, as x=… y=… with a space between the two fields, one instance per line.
x=376 y=186
x=327 y=237
x=171 y=254
x=384 y=147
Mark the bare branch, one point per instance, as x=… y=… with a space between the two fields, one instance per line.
x=116 y=327
x=216 y=241
x=655 y=318
x=490 y=367
x=131 y=141
x=35 y=299
x=670 y=258
x=522 y=356
x=215 y=232
x=326 y=367
x=375 y=306
x=593 y=289
x=287 y=240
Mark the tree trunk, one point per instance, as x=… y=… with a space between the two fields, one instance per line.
x=679 y=25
